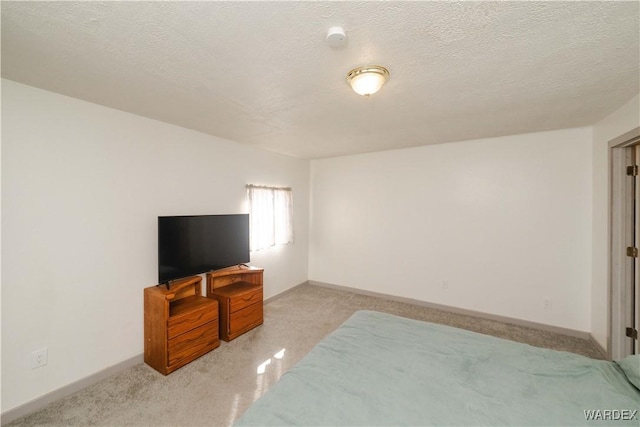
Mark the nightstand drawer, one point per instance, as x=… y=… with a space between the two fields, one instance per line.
x=192 y=319
x=245 y=319
x=198 y=340
x=238 y=302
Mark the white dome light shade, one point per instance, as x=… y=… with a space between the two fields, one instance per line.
x=367 y=80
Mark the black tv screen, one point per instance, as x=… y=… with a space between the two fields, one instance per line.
x=189 y=245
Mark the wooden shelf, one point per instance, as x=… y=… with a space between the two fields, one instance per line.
x=238 y=288
x=188 y=304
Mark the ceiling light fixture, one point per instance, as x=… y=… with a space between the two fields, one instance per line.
x=367 y=80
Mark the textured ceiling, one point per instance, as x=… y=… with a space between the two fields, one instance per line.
x=262 y=73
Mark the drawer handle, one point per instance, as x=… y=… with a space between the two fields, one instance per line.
x=190 y=320
x=200 y=336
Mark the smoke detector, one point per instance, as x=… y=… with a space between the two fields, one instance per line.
x=336 y=37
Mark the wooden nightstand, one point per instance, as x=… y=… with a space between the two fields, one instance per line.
x=239 y=293
x=180 y=324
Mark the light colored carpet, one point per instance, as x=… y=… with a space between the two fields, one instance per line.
x=218 y=387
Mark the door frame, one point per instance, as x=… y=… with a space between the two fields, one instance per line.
x=621 y=226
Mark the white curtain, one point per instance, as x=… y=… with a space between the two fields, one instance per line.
x=271 y=216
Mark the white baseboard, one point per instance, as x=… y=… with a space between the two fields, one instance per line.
x=42 y=401
x=463 y=311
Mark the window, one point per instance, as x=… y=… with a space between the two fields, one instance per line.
x=271 y=216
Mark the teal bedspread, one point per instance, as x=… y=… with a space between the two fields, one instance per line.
x=380 y=369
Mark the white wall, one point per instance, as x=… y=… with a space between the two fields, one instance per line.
x=626 y=118
x=506 y=222
x=82 y=186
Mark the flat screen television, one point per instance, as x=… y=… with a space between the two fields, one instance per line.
x=189 y=245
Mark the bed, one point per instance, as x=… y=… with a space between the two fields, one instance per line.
x=380 y=369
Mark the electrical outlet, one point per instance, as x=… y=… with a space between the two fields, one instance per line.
x=445 y=284
x=39 y=358
x=547 y=304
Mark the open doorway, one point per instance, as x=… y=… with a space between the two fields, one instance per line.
x=624 y=261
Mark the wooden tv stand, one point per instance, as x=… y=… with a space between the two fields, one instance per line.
x=180 y=324
x=238 y=291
